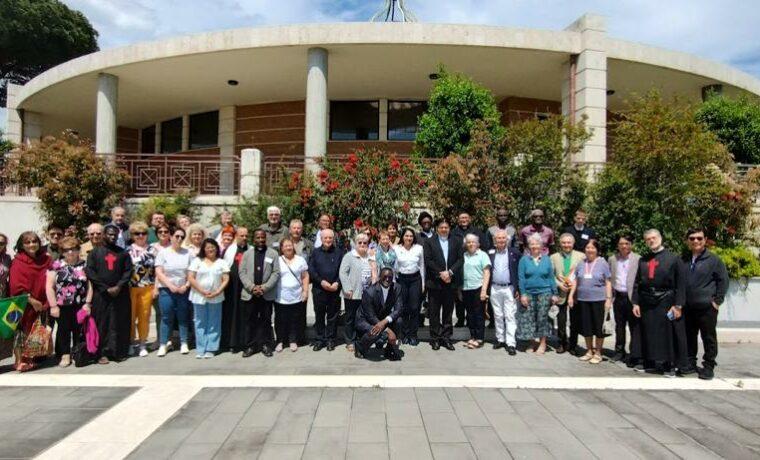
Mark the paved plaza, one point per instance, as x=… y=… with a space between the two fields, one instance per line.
x=433 y=404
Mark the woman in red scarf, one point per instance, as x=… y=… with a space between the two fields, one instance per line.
x=28 y=274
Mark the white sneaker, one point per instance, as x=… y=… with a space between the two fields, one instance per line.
x=161 y=351
x=208 y=355
x=169 y=345
x=199 y=356
x=184 y=349
x=143 y=352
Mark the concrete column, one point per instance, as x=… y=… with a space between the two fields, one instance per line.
x=226 y=142
x=157 y=140
x=315 y=146
x=250 y=172
x=383 y=124
x=185 y=133
x=13 y=125
x=31 y=126
x=584 y=90
x=107 y=108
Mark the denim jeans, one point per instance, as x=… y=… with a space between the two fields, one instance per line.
x=208 y=326
x=173 y=305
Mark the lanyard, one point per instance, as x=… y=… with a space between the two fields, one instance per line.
x=586 y=270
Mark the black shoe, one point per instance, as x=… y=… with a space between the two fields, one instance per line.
x=414 y=341
x=706 y=373
x=266 y=351
x=249 y=352
x=497 y=345
x=559 y=350
x=330 y=346
x=491 y=325
x=358 y=354
x=687 y=370
x=393 y=354
x=618 y=357
x=448 y=345
x=235 y=351
x=318 y=346
x=573 y=351
x=511 y=351
x=435 y=345
x=670 y=373
x=631 y=363
x=459 y=323
x=639 y=368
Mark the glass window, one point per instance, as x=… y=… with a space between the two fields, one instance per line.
x=402 y=119
x=171 y=136
x=354 y=120
x=149 y=139
x=204 y=130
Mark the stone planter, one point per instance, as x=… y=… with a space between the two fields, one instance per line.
x=742 y=305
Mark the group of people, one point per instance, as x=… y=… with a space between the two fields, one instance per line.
x=218 y=291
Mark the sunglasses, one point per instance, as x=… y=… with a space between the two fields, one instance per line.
x=140 y=233
x=696 y=238
x=178 y=235
x=362 y=243
x=162 y=232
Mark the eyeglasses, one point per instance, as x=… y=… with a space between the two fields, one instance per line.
x=94 y=233
x=68 y=250
x=696 y=238
x=140 y=233
x=180 y=236
x=362 y=243
x=161 y=232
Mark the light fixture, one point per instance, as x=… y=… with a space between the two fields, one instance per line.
x=433 y=76
x=232 y=82
x=610 y=92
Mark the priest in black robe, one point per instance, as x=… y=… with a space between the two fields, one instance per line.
x=659 y=294
x=109 y=269
x=233 y=326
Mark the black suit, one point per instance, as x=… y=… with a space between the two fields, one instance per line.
x=442 y=294
x=374 y=309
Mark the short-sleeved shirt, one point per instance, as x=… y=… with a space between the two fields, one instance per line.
x=70 y=283
x=474 y=264
x=175 y=264
x=289 y=287
x=209 y=277
x=591 y=279
x=143 y=265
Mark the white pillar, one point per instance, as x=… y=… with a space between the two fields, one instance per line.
x=13 y=125
x=226 y=142
x=31 y=126
x=315 y=146
x=584 y=89
x=107 y=108
x=185 y=133
x=250 y=172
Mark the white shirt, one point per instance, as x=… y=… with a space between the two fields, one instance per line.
x=386 y=291
x=411 y=261
x=175 y=265
x=289 y=287
x=209 y=277
x=621 y=273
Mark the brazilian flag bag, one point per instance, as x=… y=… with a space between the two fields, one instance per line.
x=11 y=311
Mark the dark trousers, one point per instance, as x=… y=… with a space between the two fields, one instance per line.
x=439 y=311
x=568 y=342
x=68 y=330
x=301 y=323
x=411 y=301
x=286 y=323
x=459 y=306
x=257 y=315
x=623 y=311
x=702 y=321
x=326 y=308
x=475 y=313
x=349 y=329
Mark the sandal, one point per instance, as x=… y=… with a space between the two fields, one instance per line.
x=25 y=367
x=596 y=359
x=586 y=357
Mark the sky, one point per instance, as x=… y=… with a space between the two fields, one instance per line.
x=722 y=30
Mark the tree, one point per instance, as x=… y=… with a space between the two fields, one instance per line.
x=75 y=186
x=668 y=171
x=36 y=35
x=736 y=122
x=456 y=103
x=528 y=168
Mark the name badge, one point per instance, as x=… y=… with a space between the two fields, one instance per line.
x=584 y=236
x=268 y=260
x=492 y=251
x=276 y=244
x=588 y=276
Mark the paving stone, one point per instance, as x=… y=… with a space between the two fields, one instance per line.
x=720 y=444
x=469 y=413
x=399 y=394
x=669 y=416
x=401 y=414
x=367 y=451
x=433 y=400
x=262 y=414
x=326 y=443
x=611 y=451
x=196 y=451
x=368 y=400
x=367 y=427
x=486 y=443
x=243 y=442
x=458 y=394
x=603 y=415
x=281 y=452
x=528 y=451
x=511 y=428
x=692 y=451
x=19 y=449
x=215 y=428
x=554 y=401
x=517 y=394
x=291 y=428
x=334 y=413
x=680 y=402
x=642 y=444
x=304 y=401
x=452 y=451
x=552 y=434
x=161 y=444
x=238 y=400
x=491 y=400
x=408 y=443
x=443 y=427
x=655 y=428
x=729 y=429
x=274 y=394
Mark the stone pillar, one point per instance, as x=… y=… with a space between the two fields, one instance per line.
x=157 y=139
x=107 y=109
x=250 y=172
x=315 y=146
x=31 y=126
x=383 y=123
x=185 y=133
x=226 y=142
x=13 y=125
x=584 y=89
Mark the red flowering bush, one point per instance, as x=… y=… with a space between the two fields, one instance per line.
x=368 y=188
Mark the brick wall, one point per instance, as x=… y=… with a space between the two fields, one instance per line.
x=277 y=129
x=126 y=140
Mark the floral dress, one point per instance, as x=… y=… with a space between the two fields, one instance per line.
x=70 y=283
x=143 y=265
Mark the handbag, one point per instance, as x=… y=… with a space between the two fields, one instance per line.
x=39 y=342
x=608 y=328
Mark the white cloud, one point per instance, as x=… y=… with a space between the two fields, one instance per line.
x=725 y=30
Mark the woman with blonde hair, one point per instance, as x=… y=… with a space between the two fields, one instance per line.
x=142 y=285
x=195 y=236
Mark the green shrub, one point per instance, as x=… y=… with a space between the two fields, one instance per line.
x=253 y=213
x=736 y=122
x=740 y=261
x=170 y=205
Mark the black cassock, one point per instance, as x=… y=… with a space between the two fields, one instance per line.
x=109 y=266
x=233 y=325
x=660 y=284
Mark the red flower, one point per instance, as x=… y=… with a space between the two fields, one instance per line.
x=352 y=158
x=422 y=183
x=295 y=179
x=358 y=223
x=332 y=186
x=407 y=206
x=395 y=163
x=306 y=194
x=322 y=176
x=731 y=230
x=710 y=243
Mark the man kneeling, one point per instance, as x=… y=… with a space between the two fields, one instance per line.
x=381 y=300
